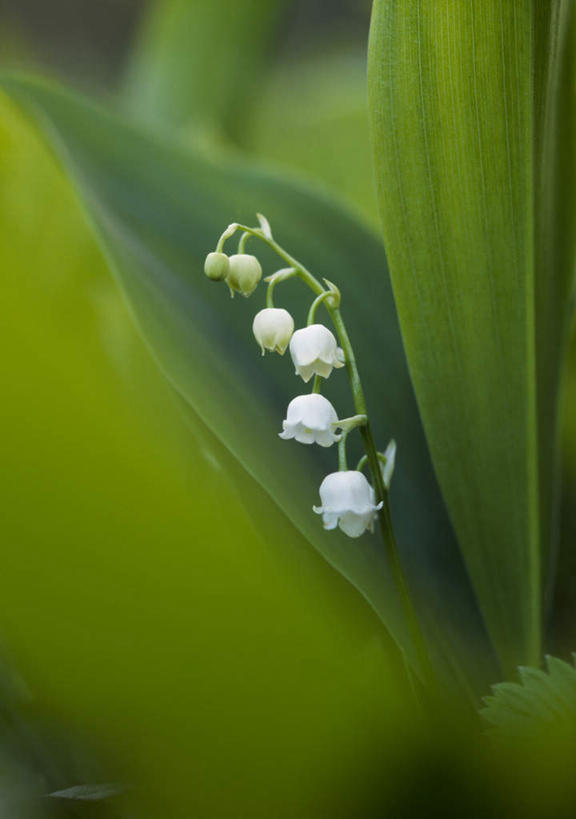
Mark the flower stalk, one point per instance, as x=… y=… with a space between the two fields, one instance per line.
x=329 y=297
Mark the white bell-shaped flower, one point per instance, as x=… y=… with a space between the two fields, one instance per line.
x=311 y=419
x=314 y=351
x=347 y=501
x=273 y=328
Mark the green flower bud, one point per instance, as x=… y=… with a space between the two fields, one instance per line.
x=244 y=273
x=216 y=266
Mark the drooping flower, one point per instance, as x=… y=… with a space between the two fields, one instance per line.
x=311 y=419
x=244 y=273
x=314 y=351
x=273 y=328
x=347 y=501
x=217 y=266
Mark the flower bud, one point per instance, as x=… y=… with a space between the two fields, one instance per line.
x=311 y=419
x=314 y=352
x=216 y=266
x=244 y=273
x=273 y=328
x=348 y=502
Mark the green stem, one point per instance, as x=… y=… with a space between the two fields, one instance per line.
x=364 y=460
x=361 y=463
x=299 y=269
x=348 y=424
x=278 y=278
x=317 y=386
x=242 y=243
x=384 y=515
x=327 y=294
x=342 y=460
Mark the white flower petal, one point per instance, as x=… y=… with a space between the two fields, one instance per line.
x=353 y=524
x=326 y=439
x=323 y=368
x=304 y=436
x=329 y=521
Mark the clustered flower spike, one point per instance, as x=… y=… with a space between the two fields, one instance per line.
x=348 y=499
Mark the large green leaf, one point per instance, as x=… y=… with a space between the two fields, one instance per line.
x=196 y=63
x=157 y=212
x=467 y=106
x=147 y=616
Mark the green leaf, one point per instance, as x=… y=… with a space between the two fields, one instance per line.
x=541 y=699
x=157 y=212
x=145 y=605
x=467 y=103
x=196 y=63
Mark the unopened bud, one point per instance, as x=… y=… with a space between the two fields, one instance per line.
x=217 y=266
x=244 y=273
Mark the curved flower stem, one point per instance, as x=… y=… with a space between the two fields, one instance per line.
x=323 y=297
x=242 y=243
x=372 y=456
x=277 y=278
x=348 y=424
x=299 y=269
x=364 y=460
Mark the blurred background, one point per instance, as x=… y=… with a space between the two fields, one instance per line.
x=299 y=101
x=155 y=639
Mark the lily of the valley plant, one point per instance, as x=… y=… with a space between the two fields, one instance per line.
x=348 y=500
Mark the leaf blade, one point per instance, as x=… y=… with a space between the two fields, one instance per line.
x=158 y=211
x=456 y=125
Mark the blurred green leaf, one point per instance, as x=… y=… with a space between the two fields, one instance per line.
x=325 y=138
x=196 y=63
x=469 y=127
x=171 y=625
x=89 y=793
x=158 y=211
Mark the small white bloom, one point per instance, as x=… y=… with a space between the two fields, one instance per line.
x=273 y=328
x=311 y=419
x=314 y=352
x=347 y=501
